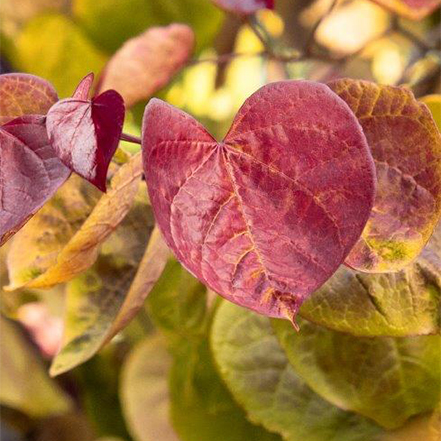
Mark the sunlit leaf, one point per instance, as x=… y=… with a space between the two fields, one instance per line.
x=82 y=91
x=202 y=408
x=103 y=300
x=85 y=134
x=433 y=102
x=59 y=245
x=393 y=304
x=406 y=146
x=23 y=94
x=265 y=217
x=144 y=392
x=24 y=383
x=30 y=172
x=383 y=378
x=258 y=374
x=112 y=22
x=245 y=7
x=55 y=48
x=147 y=62
x=411 y=9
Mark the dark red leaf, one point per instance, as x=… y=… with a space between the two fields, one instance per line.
x=83 y=89
x=266 y=216
x=30 y=172
x=244 y=7
x=85 y=134
x=23 y=94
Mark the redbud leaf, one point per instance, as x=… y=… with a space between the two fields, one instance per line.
x=406 y=147
x=85 y=134
x=244 y=7
x=23 y=94
x=266 y=216
x=146 y=63
x=411 y=9
x=82 y=91
x=30 y=172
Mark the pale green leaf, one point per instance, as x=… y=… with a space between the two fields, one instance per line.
x=386 y=379
x=24 y=382
x=259 y=375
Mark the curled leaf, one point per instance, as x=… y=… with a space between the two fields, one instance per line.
x=72 y=237
x=266 y=216
x=24 y=94
x=411 y=9
x=82 y=91
x=406 y=147
x=385 y=379
x=30 y=172
x=85 y=134
x=393 y=304
x=244 y=7
x=147 y=62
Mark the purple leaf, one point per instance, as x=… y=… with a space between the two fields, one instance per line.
x=244 y=7
x=265 y=217
x=85 y=133
x=30 y=172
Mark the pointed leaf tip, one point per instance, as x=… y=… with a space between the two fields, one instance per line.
x=82 y=91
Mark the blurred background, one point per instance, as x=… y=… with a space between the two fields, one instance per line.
x=62 y=41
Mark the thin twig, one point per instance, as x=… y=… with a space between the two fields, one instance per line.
x=130 y=138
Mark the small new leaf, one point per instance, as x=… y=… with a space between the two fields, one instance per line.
x=30 y=172
x=406 y=147
x=85 y=134
x=265 y=217
x=147 y=62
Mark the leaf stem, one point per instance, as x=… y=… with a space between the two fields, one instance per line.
x=130 y=138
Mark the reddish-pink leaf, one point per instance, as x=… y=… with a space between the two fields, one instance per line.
x=266 y=216
x=147 y=62
x=85 y=134
x=83 y=89
x=23 y=94
x=30 y=172
x=244 y=7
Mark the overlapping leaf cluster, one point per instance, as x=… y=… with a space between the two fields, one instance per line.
x=322 y=201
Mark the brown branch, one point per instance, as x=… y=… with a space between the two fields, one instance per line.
x=130 y=138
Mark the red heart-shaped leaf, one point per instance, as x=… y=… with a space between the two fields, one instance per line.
x=266 y=216
x=23 y=94
x=30 y=172
x=85 y=134
x=244 y=7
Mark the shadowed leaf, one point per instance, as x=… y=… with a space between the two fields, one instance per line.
x=406 y=146
x=85 y=134
x=146 y=63
x=258 y=374
x=393 y=304
x=266 y=216
x=23 y=94
x=24 y=383
x=144 y=392
x=109 y=295
x=411 y=9
x=30 y=172
x=72 y=236
x=383 y=378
